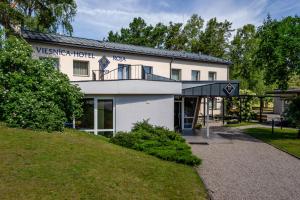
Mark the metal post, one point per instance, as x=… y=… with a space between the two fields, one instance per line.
x=207 y=123
x=240 y=114
x=260 y=109
x=273 y=123
x=73 y=125
x=223 y=109
x=204 y=110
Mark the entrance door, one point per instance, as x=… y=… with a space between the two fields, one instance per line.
x=177 y=115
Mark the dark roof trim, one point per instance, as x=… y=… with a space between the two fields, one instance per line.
x=116 y=47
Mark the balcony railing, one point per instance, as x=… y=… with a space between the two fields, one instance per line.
x=127 y=72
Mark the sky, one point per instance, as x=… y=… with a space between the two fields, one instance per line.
x=95 y=18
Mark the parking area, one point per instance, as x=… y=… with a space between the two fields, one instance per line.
x=237 y=166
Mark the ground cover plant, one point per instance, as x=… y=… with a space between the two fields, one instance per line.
x=157 y=141
x=77 y=165
x=285 y=139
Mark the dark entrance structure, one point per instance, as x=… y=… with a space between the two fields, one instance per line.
x=198 y=102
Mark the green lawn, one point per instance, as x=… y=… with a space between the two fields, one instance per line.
x=76 y=165
x=240 y=124
x=284 y=139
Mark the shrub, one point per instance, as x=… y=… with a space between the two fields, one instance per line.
x=33 y=94
x=157 y=141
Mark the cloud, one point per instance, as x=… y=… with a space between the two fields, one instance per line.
x=95 y=18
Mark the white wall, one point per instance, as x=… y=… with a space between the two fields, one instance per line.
x=161 y=66
x=159 y=109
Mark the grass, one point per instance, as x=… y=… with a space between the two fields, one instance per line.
x=285 y=139
x=76 y=165
x=240 y=124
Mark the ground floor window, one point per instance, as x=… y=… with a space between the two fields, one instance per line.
x=105 y=114
x=98 y=116
x=87 y=119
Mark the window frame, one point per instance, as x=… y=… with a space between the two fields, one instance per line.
x=180 y=75
x=198 y=75
x=123 y=67
x=143 y=71
x=88 y=66
x=215 y=77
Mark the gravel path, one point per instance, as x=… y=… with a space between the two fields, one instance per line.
x=237 y=166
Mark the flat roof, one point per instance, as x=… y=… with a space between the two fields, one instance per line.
x=52 y=38
x=288 y=91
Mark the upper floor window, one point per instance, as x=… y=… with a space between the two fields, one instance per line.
x=212 y=76
x=124 y=71
x=146 y=70
x=176 y=74
x=54 y=60
x=195 y=75
x=80 y=68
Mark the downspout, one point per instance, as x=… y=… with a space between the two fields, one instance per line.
x=171 y=67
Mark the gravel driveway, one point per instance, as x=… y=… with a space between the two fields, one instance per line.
x=237 y=166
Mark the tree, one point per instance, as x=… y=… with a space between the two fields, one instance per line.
x=192 y=31
x=33 y=94
x=293 y=113
x=175 y=39
x=47 y=15
x=242 y=50
x=139 y=33
x=215 y=39
x=278 y=50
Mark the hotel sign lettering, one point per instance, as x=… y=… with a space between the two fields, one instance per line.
x=64 y=52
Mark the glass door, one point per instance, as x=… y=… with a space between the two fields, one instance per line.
x=189 y=110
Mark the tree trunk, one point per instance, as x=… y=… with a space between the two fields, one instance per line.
x=298 y=136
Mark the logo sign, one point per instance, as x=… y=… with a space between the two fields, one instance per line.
x=103 y=63
x=229 y=88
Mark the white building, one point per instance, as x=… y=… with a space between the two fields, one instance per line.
x=124 y=84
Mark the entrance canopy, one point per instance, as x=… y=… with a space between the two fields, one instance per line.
x=210 y=88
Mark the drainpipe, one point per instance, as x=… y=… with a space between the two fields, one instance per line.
x=171 y=67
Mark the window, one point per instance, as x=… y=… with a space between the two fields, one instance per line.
x=212 y=76
x=87 y=119
x=176 y=74
x=146 y=70
x=195 y=75
x=124 y=71
x=80 y=68
x=51 y=59
x=105 y=114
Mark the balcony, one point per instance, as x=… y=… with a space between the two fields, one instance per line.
x=127 y=72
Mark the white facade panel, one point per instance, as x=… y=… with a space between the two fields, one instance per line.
x=159 y=109
x=130 y=87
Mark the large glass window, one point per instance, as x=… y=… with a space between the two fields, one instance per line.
x=146 y=70
x=176 y=74
x=124 y=71
x=80 y=68
x=212 y=76
x=55 y=61
x=195 y=75
x=105 y=114
x=87 y=119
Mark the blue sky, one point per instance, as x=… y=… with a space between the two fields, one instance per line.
x=95 y=18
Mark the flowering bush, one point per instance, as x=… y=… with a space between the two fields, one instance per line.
x=33 y=94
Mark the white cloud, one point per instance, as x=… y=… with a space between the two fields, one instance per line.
x=103 y=16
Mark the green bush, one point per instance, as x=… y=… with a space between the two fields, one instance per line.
x=33 y=94
x=157 y=141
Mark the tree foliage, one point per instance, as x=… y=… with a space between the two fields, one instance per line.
x=46 y=15
x=33 y=94
x=279 y=50
x=293 y=113
x=190 y=37
x=243 y=49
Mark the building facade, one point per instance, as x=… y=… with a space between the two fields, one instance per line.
x=124 y=84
